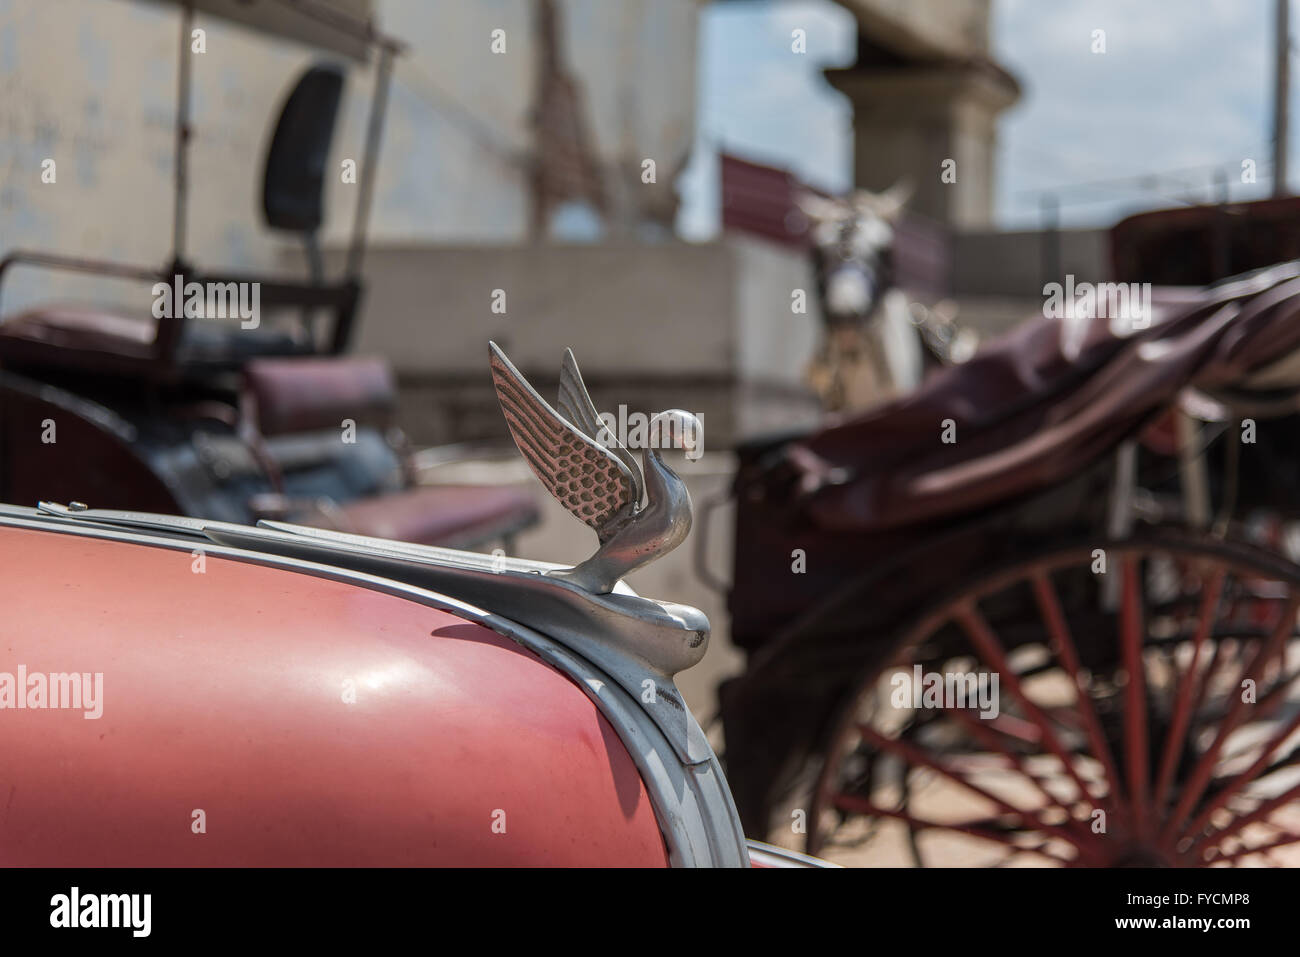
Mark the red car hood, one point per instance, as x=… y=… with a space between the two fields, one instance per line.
x=312 y=722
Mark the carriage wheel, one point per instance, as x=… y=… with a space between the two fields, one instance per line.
x=1127 y=706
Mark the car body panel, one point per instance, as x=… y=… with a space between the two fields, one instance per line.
x=228 y=692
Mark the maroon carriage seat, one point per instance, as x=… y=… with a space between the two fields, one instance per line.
x=106 y=341
x=79 y=337
x=80 y=327
x=284 y=396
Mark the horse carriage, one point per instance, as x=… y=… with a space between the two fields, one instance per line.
x=1043 y=608
x=232 y=397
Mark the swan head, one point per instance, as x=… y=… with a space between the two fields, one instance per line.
x=676 y=429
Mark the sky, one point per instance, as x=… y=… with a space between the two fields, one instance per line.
x=759 y=101
x=1183 y=89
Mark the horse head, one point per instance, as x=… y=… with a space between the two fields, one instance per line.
x=852 y=248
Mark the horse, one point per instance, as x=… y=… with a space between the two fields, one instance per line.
x=877 y=343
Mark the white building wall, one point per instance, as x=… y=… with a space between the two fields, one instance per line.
x=92 y=85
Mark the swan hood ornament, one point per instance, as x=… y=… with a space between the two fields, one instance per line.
x=582 y=463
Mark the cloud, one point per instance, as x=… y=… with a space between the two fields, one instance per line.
x=762 y=101
x=1180 y=85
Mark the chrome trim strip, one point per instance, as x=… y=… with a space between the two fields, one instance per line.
x=769 y=855
x=692 y=802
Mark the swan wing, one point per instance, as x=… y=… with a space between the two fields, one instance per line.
x=586 y=478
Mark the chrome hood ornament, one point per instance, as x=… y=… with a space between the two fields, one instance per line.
x=585 y=467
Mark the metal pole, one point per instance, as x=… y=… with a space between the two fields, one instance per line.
x=182 y=136
x=1050 y=252
x=1281 y=84
x=1221 y=251
x=374 y=132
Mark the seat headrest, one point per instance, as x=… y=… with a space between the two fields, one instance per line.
x=293 y=187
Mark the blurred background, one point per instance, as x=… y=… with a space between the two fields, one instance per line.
x=625 y=174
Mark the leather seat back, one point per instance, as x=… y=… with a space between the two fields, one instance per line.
x=306 y=394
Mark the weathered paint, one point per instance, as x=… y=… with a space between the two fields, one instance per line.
x=223 y=691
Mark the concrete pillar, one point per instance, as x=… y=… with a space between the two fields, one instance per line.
x=909 y=119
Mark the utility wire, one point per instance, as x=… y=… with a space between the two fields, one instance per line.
x=1147 y=183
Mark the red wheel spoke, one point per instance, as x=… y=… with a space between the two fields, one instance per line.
x=1183 y=706
x=1245 y=777
x=1282 y=840
x=860 y=805
x=1258 y=815
x=980 y=728
x=1203 y=686
x=1135 y=709
x=1059 y=633
x=988 y=646
x=1276 y=696
x=1064 y=717
x=916 y=756
x=1018 y=729
x=1204 y=768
